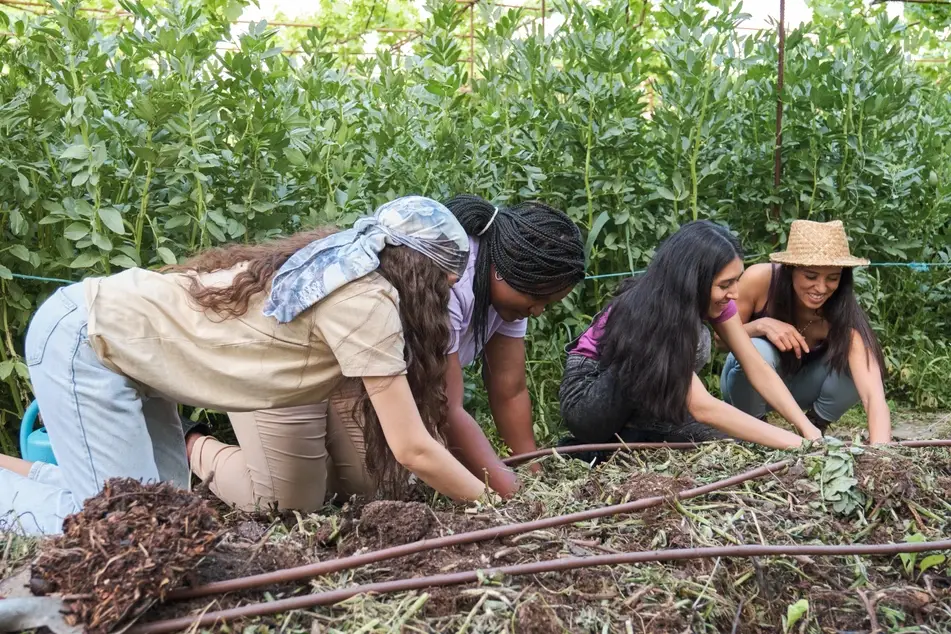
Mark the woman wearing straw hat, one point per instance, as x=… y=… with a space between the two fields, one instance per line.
x=804 y=319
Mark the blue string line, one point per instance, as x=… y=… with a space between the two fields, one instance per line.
x=52 y=280
x=920 y=267
x=914 y=266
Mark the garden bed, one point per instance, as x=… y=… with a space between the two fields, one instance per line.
x=838 y=497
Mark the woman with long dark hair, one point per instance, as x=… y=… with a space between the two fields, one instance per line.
x=245 y=328
x=805 y=322
x=632 y=374
x=521 y=259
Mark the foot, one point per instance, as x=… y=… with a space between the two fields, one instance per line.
x=193 y=431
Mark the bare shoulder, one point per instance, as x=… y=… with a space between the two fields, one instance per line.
x=756 y=279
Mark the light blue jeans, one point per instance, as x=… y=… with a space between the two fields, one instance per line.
x=829 y=394
x=100 y=425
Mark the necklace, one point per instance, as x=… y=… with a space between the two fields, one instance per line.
x=809 y=323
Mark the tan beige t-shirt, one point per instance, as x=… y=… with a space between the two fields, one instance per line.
x=146 y=326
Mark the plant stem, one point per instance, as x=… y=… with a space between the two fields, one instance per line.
x=695 y=143
x=143 y=209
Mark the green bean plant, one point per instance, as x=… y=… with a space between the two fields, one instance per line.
x=136 y=143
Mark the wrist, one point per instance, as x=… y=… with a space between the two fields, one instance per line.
x=754 y=328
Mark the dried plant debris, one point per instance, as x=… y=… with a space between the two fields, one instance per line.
x=832 y=494
x=124 y=551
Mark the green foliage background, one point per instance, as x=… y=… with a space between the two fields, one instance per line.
x=135 y=146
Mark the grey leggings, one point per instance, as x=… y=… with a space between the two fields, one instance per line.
x=594 y=410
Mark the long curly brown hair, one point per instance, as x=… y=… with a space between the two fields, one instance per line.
x=424 y=300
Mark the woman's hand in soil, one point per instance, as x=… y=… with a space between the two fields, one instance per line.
x=811 y=433
x=411 y=443
x=782 y=335
x=489 y=499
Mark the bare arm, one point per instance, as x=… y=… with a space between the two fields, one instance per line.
x=509 y=399
x=411 y=443
x=467 y=440
x=714 y=412
x=868 y=382
x=762 y=376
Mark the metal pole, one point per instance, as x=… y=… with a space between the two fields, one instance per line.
x=777 y=152
x=471 y=45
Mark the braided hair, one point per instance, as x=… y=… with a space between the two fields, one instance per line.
x=535 y=248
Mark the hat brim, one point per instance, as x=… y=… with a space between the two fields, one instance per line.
x=798 y=259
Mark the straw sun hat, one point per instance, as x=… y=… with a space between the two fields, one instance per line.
x=817 y=244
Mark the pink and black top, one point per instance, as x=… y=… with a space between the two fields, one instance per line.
x=587 y=345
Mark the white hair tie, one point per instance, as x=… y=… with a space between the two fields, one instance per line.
x=489 y=223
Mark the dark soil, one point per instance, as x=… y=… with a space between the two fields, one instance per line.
x=394 y=523
x=536 y=617
x=645 y=485
x=128 y=547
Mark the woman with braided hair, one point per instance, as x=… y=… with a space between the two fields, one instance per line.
x=520 y=259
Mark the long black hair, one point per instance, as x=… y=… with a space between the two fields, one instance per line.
x=535 y=248
x=651 y=335
x=841 y=310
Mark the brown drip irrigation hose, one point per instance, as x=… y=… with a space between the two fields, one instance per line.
x=567 y=563
x=605 y=446
x=353 y=561
x=618 y=446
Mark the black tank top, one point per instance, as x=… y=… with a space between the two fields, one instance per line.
x=816 y=351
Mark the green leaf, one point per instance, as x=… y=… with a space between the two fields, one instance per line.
x=262 y=206
x=167 y=256
x=18 y=224
x=111 y=217
x=178 y=221
x=233 y=11
x=5 y=273
x=795 y=612
x=102 y=242
x=6 y=369
x=85 y=260
x=145 y=153
x=24 y=183
x=124 y=261
x=599 y=223
x=666 y=193
x=76 y=152
x=20 y=251
x=80 y=178
x=295 y=156
x=931 y=561
x=76 y=231
x=840 y=485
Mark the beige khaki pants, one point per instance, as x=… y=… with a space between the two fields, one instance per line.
x=293 y=457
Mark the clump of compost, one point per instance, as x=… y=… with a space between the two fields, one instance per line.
x=128 y=547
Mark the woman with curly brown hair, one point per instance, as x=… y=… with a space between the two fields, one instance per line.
x=242 y=329
x=521 y=259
